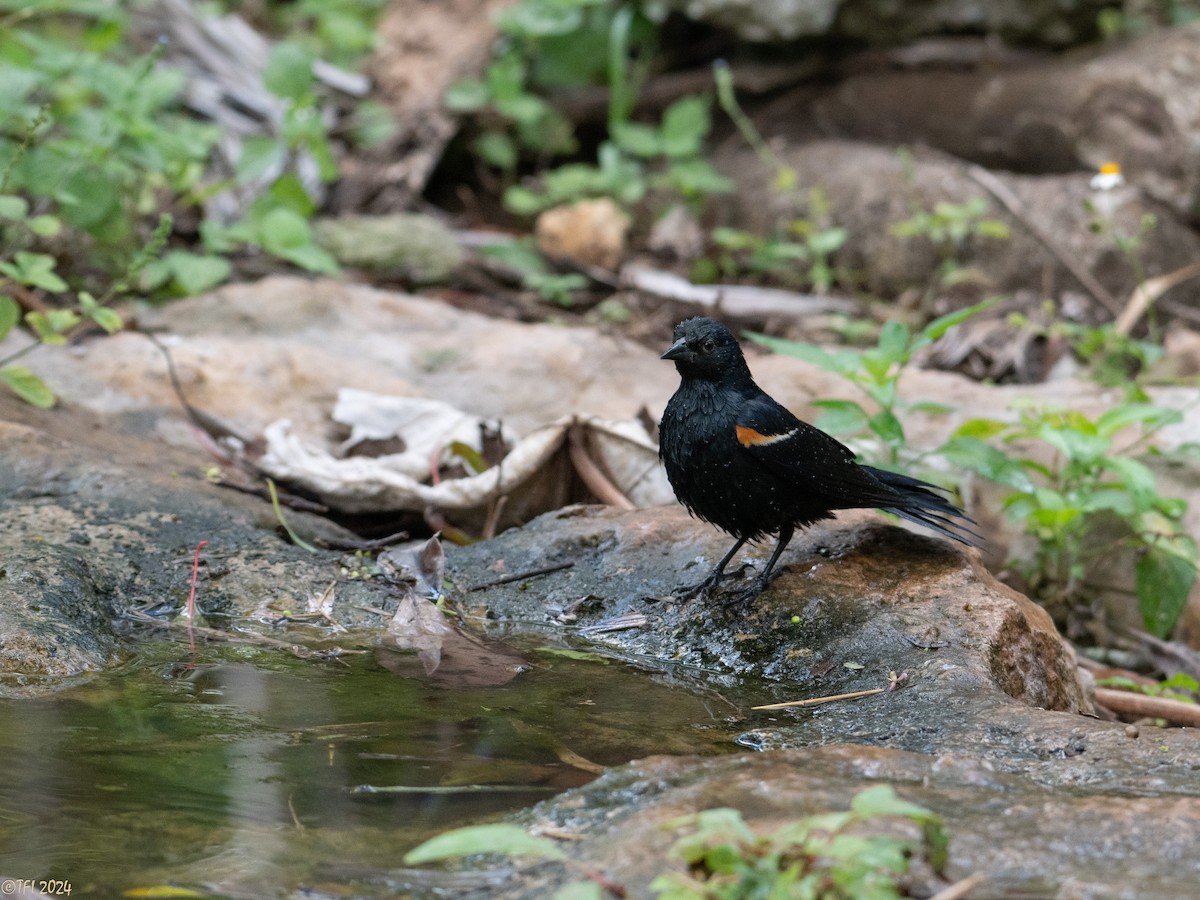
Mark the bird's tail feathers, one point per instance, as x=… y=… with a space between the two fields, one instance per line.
x=923 y=505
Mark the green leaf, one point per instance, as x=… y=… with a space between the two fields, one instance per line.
x=636 y=138
x=10 y=315
x=469 y=455
x=46 y=226
x=684 y=126
x=289 y=71
x=993 y=228
x=885 y=424
x=106 y=318
x=1120 y=417
x=260 y=156
x=35 y=270
x=830 y=240
x=283 y=229
x=310 y=257
x=497 y=149
x=1135 y=476
x=931 y=407
x=980 y=428
x=466 y=96
x=893 y=343
x=990 y=462
x=579 y=890
x=1164 y=578
x=841 y=416
x=1076 y=446
x=28 y=386
x=1181 y=681
x=521 y=201
x=942 y=324
x=50 y=325
x=843 y=362
x=500 y=837
x=695 y=178
x=882 y=800
x=13 y=207
x=195 y=273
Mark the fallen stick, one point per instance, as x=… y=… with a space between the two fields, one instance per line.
x=817 y=700
x=1127 y=703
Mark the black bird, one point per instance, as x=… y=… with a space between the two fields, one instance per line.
x=739 y=460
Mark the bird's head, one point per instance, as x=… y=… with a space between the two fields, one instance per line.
x=705 y=348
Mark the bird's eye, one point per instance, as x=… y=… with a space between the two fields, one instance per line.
x=708 y=346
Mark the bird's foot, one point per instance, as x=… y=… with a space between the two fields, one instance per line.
x=702 y=589
x=740 y=601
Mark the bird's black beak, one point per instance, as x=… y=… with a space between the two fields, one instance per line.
x=678 y=350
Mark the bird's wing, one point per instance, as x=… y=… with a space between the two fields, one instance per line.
x=805 y=456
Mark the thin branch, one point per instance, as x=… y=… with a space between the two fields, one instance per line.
x=818 y=700
x=1127 y=703
x=521 y=576
x=1009 y=201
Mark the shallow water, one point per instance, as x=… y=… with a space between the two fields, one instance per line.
x=250 y=773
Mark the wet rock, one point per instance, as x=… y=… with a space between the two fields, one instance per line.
x=853 y=605
x=99 y=521
x=1025 y=835
x=985 y=728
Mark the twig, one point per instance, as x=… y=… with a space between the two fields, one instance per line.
x=206 y=422
x=596 y=481
x=291 y=501
x=521 y=576
x=1149 y=291
x=818 y=700
x=1009 y=201
x=960 y=889
x=749 y=301
x=1127 y=703
x=331 y=543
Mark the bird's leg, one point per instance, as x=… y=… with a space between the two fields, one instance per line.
x=713 y=577
x=747 y=596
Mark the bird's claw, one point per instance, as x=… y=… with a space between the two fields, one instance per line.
x=741 y=600
x=702 y=589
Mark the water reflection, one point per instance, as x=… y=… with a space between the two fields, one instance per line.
x=252 y=773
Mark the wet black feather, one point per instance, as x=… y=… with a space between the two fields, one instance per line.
x=783 y=473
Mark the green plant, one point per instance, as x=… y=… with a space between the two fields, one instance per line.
x=340 y=31
x=535 y=273
x=552 y=45
x=637 y=160
x=54 y=325
x=1113 y=359
x=92 y=139
x=544 y=44
x=876 y=372
x=949 y=227
x=1089 y=476
x=824 y=856
x=739 y=252
x=1129 y=19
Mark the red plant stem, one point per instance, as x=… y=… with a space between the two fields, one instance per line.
x=191 y=605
